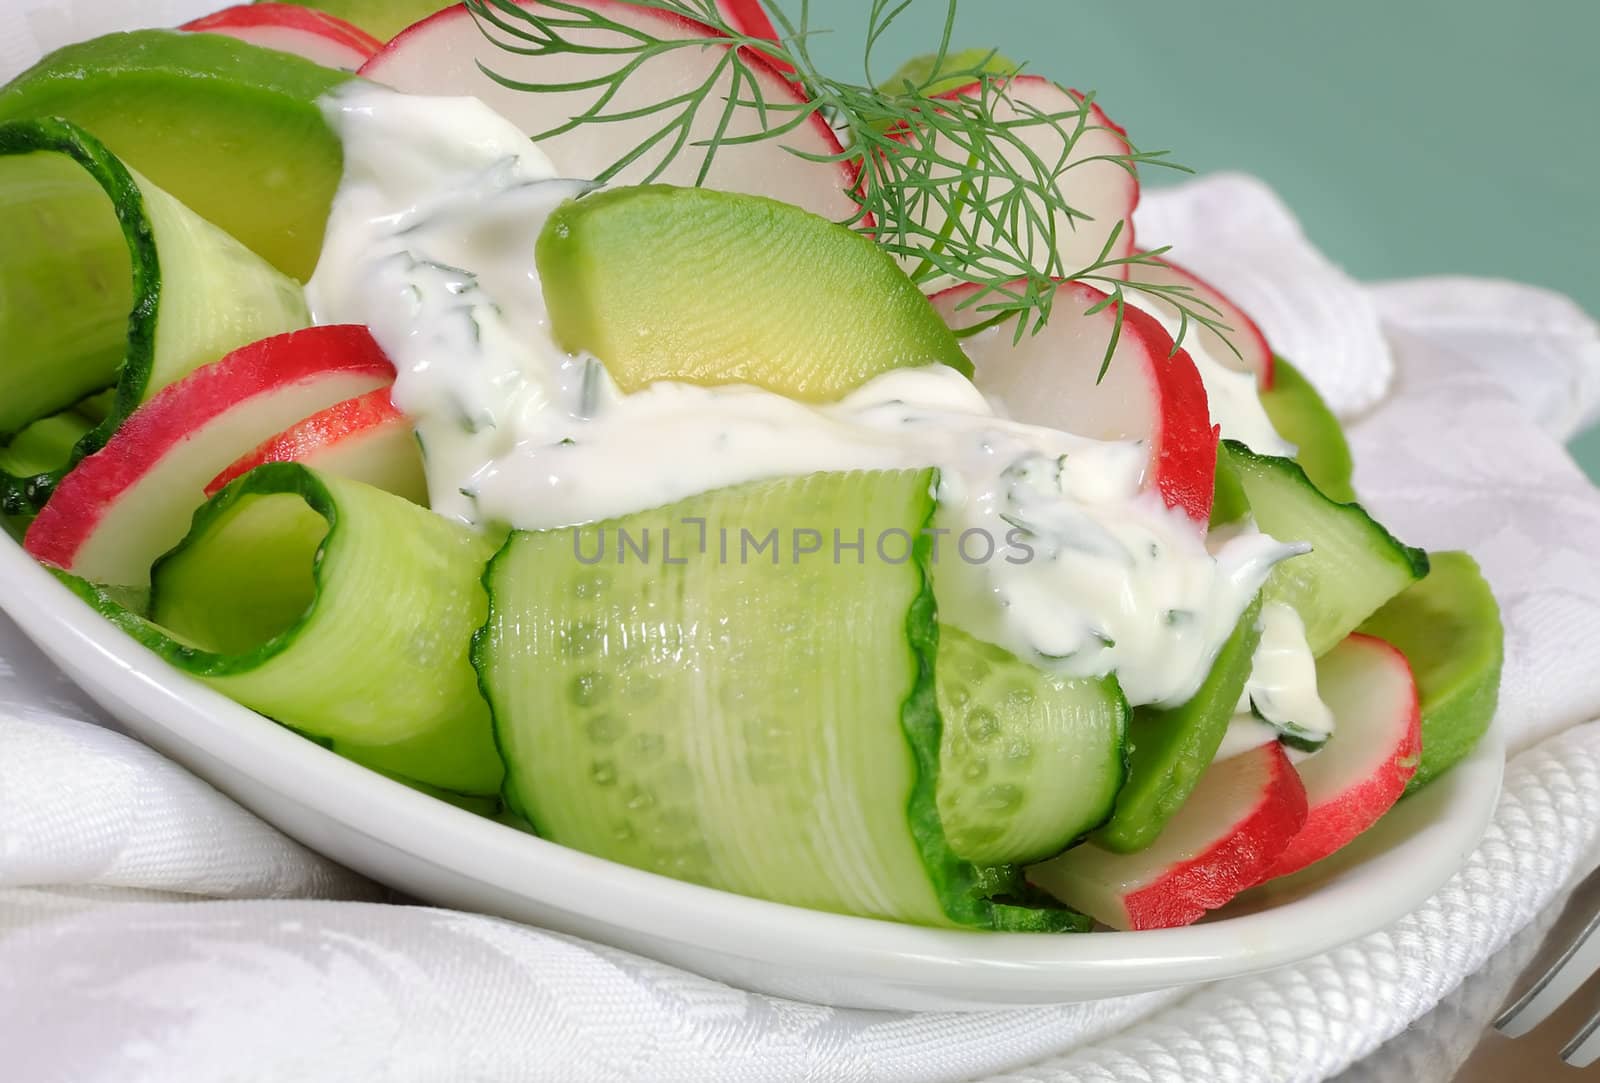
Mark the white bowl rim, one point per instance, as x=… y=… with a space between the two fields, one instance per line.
x=1437 y=829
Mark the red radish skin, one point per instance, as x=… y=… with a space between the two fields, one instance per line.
x=366 y=438
x=749 y=17
x=440 y=54
x=1103 y=190
x=129 y=502
x=1239 y=818
x=1254 y=355
x=1362 y=770
x=1149 y=392
x=290 y=28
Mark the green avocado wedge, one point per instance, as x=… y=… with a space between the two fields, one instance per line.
x=1168 y=750
x=1302 y=418
x=932 y=75
x=1448 y=627
x=383 y=19
x=705 y=287
x=231 y=130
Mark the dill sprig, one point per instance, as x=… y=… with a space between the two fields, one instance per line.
x=954 y=187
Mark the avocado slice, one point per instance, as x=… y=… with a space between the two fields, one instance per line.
x=706 y=287
x=1169 y=749
x=1448 y=627
x=920 y=70
x=383 y=19
x=233 y=131
x=1302 y=418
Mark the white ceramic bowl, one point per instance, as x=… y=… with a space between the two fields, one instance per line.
x=446 y=856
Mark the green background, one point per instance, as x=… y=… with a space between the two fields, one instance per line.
x=1411 y=137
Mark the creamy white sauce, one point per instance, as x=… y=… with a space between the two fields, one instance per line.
x=1282 y=688
x=1245 y=732
x=430 y=244
x=1068 y=559
x=1281 y=692
x=1231 y=393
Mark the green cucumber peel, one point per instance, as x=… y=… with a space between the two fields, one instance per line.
x=21 y=494
x=1354 y=565
x=170 y=331
x=650 y=713
x=259 y=601
x=1030 y=762
x=1299 y=415
x=1292 y=734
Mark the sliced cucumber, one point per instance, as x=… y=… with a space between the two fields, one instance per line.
x=1302 y=418
x=762 y=725
x=1168 y=750
x=65 y=290
x=230 y=129
x=97 y=407
x=1030 y=762
x=44 y=445
x=614 y=265
x=1354 y=566
x=1448 y=627
x=196 y=293
x=338 y=610
x=216 y=295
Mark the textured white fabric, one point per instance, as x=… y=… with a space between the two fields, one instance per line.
x=152 y=930
x=1227 y=227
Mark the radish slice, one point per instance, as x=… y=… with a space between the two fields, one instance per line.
x=364 y=439
x=749 y=17
x=128 y=503
x=441 y=54
x=1362 y=770
x=1149 y=393
x=1101 y=192
x=1254 y=355
x=1240 y=817
x=290 y=28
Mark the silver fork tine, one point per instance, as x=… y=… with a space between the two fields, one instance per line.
x=1577 y=965
x=1585 y=1045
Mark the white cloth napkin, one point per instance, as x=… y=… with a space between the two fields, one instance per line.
x=150 y=929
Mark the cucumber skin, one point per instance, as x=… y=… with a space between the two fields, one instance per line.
x=983 y=897
x=954 y=885
x=23 y=495
x=1457 y=704
x=1062 y=767
x=1301 y=417
x=1287 y=582
x=956 y=881
x=472 y=773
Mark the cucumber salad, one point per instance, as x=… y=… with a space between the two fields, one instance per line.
x=589 y=413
